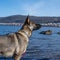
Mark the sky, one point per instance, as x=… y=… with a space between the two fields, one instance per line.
x=31 y=7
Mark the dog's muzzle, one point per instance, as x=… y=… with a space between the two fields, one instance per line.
x=38 y=26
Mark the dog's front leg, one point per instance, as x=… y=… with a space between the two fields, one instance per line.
x=17 y=57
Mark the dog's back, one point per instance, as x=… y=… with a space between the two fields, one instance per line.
x=11 y=43
x=7 y=45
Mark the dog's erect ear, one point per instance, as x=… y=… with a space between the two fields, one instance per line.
x=27 y=20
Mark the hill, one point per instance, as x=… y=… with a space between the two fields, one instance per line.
x=21 y=19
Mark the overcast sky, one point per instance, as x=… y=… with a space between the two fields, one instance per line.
x=31 y=7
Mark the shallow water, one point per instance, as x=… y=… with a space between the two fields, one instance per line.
x=41 y=47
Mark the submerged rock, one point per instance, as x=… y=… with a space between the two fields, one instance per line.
x=48 y=32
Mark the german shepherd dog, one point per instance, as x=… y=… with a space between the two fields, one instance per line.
x=15 y=44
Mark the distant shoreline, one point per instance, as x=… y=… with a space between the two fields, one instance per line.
x=43 y=24
x=15 y=24
x=51 y=24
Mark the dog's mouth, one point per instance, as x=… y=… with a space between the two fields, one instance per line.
x=38 y=26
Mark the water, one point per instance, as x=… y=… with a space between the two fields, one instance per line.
x=41 y=47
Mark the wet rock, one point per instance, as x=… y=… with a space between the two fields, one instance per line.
x=58 y=33
x=48 y=32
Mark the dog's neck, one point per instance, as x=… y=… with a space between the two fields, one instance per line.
x=26 y=31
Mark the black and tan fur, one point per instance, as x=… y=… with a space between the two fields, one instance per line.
x=15 y=44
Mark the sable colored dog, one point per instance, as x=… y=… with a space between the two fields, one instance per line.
x=15 y=44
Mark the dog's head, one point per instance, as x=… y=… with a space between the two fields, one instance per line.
x=31 y=25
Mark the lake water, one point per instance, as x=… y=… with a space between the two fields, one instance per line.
x=41 y=47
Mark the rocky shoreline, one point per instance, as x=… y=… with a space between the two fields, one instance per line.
x=51 y=24
x=43 y=24
x=16 y=24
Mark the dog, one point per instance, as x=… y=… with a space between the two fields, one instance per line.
x=15 y=44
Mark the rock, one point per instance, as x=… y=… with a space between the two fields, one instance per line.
x=58 y=33
x=48 y=32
